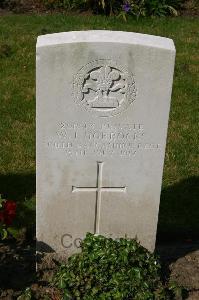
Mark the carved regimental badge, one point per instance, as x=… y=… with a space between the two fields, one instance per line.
x=104 y=88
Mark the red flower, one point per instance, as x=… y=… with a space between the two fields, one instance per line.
x=9 y=206
x=9 y=219
x=1 y=216
x=9 y=211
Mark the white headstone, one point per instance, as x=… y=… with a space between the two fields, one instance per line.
x=103 y=102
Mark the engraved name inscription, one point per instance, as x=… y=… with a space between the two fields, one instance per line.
x=105 y=140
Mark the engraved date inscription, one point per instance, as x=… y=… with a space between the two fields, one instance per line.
x=89 y=139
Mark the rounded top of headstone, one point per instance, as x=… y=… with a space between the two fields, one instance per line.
x=105 y=36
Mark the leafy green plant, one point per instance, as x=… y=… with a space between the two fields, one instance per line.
x=122 y=8
x=10 y=4
x=177 y=4
x=112 y=269
x=53 y=4
x=108 y=7
x=97 y=6
x=160 y=8
x=133 y=7
x=143 y=8
x=26 y=295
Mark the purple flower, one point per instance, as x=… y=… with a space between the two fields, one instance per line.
x=126 y=7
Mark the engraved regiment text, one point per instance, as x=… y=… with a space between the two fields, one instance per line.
x=105 y=140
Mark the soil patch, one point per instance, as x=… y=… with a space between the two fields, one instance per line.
x=190 y=8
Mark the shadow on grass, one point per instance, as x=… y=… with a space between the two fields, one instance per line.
x=178 y=226
x=17 y=187
x=179 y=211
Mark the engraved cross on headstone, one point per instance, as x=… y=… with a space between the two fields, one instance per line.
x=98 y=189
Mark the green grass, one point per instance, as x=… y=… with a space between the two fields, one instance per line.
x=179 y=213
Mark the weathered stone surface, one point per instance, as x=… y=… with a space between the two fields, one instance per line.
x=103 y=102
